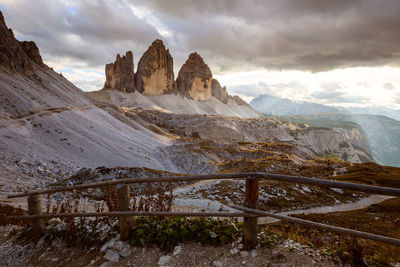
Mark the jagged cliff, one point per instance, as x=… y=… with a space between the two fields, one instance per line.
x=219 y=92
x=155 y=73
x=120 y=74
x=155 y=76
x=13 y=56
x=195 y=78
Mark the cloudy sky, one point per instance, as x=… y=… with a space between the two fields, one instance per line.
x=342 y=52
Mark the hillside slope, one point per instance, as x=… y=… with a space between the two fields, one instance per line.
x=53 y=121
x=45 y=121
x=383 y=135
x=175 y=103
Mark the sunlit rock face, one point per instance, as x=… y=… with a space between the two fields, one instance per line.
x=219 y=92
x=155 y=73
x=120 y=74
x=195 y=78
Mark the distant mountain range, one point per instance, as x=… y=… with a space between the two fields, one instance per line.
x=381 y=125
x=273 y=105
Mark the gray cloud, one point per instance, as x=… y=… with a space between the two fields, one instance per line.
x=230 y=34
x=93 y=34
x=252 y=90
x=288 y=34
x=388 y=86
x=334 y=93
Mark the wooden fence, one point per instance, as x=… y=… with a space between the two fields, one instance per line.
x=249 y=212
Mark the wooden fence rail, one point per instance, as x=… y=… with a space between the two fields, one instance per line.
x=251 y=175
x=250 y=212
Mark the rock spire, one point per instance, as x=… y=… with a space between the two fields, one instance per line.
x=195 y=78
x=120 y=74
x=155 y=73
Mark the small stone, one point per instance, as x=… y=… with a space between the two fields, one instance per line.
x=107 y=245
x=177 y=250
x=54 y=221
x=105 y=264
x=277 y=255
x=244 y=262
x=57 y=243
x=112 y=255
x=41 y=257
x=244 y=254
x=253 y=253
x=164 y=260
x=40 y=242
x=119 y=245
x=126 y=251
x=234 y=251
x=213 y=235
x=218 y=264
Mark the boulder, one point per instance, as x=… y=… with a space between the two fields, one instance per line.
x=195 y=78
x=120 y=74
x=155 y=73
x=219 y=92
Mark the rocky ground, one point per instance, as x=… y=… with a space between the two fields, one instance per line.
x=14 y=252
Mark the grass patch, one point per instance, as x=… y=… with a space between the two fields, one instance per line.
x=382 y=219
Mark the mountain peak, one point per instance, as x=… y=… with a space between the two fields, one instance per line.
x=155 y=73
x=195 y=78
x=120 y=74
x=16 y=56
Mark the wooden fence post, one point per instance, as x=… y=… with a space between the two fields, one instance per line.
x=123 y=192
x=35 y=208
x=250 y=223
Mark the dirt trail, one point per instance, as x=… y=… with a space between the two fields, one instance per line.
x=184 y=204
x=359 y=204
x=42 y=112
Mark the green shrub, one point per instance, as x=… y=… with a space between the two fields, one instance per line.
x=167 y=233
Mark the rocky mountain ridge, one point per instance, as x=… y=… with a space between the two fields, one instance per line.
x=120 y=74
x=155 y=76
x=375 y=133
x=16 y=56
x=313 y=141
x=155 y=73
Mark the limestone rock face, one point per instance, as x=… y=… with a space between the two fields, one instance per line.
x=155 y=73
x=120 y=74
x=238 y=100
x=12 y=55
x=195 y=78
x=219 y=92
x=32 y=51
